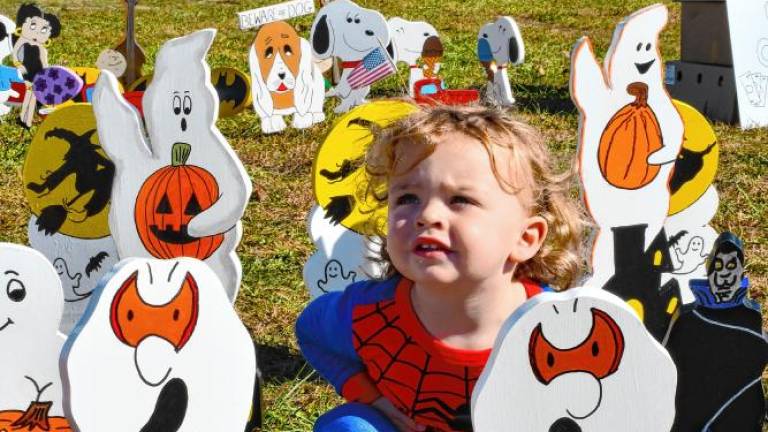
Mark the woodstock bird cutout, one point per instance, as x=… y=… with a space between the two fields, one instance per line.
x=341 y=258
x=345 y=30
x=572 y=361
x=285 y=79
x=410 y=41
x=181 y=190
x=629 y=134
x=161 y=348
x=500 y=44
x=30 y=308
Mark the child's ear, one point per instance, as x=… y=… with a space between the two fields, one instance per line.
x=531 y=238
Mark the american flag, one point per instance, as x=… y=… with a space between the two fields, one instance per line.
x=375 y=66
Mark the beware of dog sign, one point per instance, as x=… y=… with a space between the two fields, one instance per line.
x=279 y=12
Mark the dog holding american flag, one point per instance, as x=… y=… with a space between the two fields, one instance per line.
x=360 y=38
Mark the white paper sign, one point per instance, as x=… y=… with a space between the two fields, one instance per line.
x=279 y=12
x=749 y=44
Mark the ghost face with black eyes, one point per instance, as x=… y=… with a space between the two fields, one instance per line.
x=30 y=292
x=641 y=49
x=182 y=107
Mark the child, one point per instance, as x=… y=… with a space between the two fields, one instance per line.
x=477 y=223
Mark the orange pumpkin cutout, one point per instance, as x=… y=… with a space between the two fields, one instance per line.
x=630 y=136
x=35 y=418
x=168 y=200
x=133 y=319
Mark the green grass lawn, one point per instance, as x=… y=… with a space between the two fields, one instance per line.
x=275 y=244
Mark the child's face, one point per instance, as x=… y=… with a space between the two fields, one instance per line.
x=449 y=219
x=36 y=29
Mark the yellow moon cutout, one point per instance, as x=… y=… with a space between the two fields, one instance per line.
x=696 y=165
x=338 y=173
x=67 y=176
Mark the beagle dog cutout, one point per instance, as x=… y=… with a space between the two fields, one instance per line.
x=345 y=30
x=572 y=361
x=285 y=79
x=409 y=39
x=500 y=44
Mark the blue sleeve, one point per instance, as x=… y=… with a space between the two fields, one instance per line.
x=324 y=330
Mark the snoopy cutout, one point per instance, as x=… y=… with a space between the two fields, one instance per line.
x=342 y=256
x=409 y=39
x=180 y=108
x=7 y=74
x=627 y=90
x=572 y=361
x=500 y=44
x=285 y=79
x=79 y=262
x=345 y=30
x=30 y=308
x=161 y=348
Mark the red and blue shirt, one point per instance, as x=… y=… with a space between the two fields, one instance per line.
x=369 y=342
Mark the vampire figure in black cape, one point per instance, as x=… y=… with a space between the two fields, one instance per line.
x=720 y=350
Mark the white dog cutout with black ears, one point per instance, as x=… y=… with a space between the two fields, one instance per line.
x=161 y=349
x=632 y=64
x=345 y=30
x=31 y=304
x=285 y=79
x=408 y=39
x=575 y=361
x=180 y=106
x=500 y=44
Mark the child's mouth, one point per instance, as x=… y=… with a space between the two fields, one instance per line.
x=430 y=248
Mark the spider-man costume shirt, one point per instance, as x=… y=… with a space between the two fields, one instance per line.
x=368 y=342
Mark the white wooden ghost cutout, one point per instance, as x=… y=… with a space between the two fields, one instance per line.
x=629 y=133
x=345 y=30
x=499 y=44
x=30 y=308
x=285 y=79
x=181 y=190
x=162 y=349
x=411 y=41
x=572 y=361
x=79 y=262
x=341 y=258
x=7 y=74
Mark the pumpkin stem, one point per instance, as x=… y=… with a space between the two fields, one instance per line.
x=640 y=91
x=180 y=153
x=36 y=416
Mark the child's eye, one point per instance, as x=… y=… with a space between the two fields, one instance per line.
x=461 y=200
x=405 y=199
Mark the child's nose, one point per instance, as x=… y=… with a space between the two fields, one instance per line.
x=431 y=215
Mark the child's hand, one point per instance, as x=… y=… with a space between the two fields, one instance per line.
x=400 y=420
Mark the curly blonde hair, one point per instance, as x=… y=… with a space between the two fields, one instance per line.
x=559 y=260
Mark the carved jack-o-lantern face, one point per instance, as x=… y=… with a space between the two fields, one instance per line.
x=133 y=320
x=167 y=201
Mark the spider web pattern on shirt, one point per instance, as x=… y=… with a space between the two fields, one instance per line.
x=428 y=389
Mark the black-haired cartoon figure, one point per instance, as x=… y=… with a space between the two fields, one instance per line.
x=34 y=31
x=720 y=349
x=93 y=172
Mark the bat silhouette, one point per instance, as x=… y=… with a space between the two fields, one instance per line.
x=339 y=208
x=231 y=87
x=94 y=264
x=676 y=238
